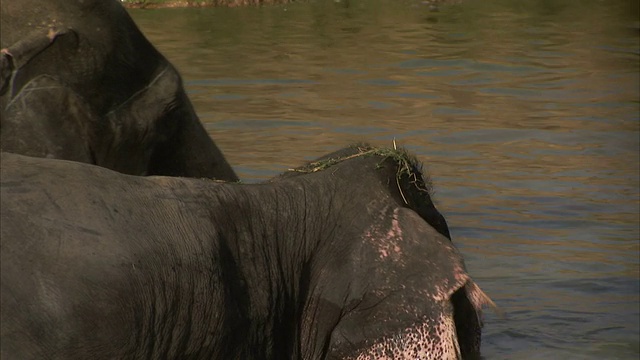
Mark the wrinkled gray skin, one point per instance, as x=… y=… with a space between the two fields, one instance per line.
x=79 y=81
x=325 y=265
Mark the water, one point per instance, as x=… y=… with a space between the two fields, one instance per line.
x=526 y=114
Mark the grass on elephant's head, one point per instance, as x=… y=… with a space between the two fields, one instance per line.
x=408 y=164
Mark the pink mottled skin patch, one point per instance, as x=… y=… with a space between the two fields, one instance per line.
x=387 y=242
x=430 y=340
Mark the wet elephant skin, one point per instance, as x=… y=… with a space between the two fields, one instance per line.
x=333 y=263
x=79 y=81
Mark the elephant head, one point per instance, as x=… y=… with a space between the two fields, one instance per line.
x=79 y=81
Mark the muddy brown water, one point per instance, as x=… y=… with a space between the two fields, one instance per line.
x=525 y=113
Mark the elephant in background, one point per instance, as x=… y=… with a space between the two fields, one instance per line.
x=79 y=81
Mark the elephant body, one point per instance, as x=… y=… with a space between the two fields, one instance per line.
x=348 y=262
x=79 y=81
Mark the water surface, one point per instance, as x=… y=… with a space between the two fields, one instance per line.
x=525 y=113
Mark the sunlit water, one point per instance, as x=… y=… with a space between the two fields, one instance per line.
x=525 y=113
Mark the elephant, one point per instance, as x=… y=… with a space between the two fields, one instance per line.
x=342 y=258
x=79 y=81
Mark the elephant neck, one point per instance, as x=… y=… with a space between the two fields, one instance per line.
x=271 y=240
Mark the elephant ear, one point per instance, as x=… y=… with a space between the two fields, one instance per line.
x=55 y=118
x=16 y=56
x=125 y=142
x=420 y=303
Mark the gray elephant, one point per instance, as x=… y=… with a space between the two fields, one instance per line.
x=344 y=258
x=79 y=81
